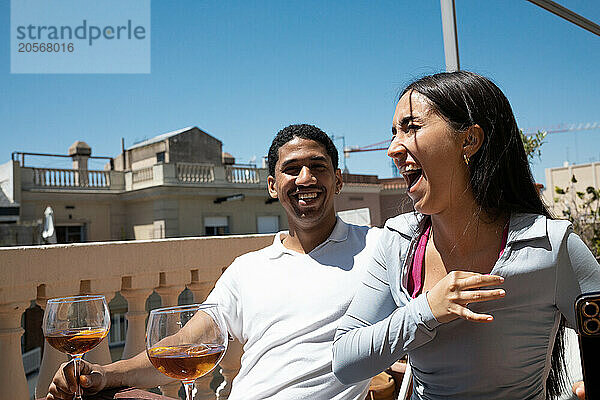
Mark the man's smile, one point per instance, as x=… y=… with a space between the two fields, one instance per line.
x=306 y=197
x=303 y=196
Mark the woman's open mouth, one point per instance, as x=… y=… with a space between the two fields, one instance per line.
x=412 y=174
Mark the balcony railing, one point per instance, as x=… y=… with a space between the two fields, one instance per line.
x=195 y=173
x=135 y=269
x=242 y=174
x=71 y=178
x=170 y=174
x=394 y=186
x=142 y=175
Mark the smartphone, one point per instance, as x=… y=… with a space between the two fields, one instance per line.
x=587 y=312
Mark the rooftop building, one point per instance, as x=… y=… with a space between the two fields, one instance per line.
x=177 y=184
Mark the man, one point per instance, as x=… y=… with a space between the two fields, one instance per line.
x=282 y=302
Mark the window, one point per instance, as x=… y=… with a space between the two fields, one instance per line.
x=267 y=224
x=118 y=329
x=216 y=226
x=70 y=233
x=160 y=157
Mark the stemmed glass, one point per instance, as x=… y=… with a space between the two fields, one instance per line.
x=75 y=325
x=186 y=342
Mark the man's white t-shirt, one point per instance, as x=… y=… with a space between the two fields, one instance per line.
x=284 y=308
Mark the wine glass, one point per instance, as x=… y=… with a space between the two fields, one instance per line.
x=186 y=342
x=75 y=325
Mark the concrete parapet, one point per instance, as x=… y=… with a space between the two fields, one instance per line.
x=134 y=268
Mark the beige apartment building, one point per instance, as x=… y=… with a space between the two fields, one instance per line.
x=585 y=174
x=176 y=184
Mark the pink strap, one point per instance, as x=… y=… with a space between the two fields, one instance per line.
x=415 y=278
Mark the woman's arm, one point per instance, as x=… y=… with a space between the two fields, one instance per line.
x=577 y=272
x=375 y=332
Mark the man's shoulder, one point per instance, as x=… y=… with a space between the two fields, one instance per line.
x=363 y=232
x=360 y=229
x=254 y=255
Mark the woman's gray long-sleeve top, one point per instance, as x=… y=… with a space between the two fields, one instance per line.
x=545 y=266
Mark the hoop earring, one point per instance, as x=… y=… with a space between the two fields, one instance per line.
x=466 y=158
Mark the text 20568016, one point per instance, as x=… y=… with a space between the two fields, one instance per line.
x=45 y=47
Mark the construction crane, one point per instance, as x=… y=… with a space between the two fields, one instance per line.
x=588 y=126
x=383 y=145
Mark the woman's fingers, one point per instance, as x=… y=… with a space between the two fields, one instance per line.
x=473 y=296
x=469 y=315
x=477 y=280
x=449 y=298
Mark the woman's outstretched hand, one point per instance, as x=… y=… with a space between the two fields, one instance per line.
x=449 y=298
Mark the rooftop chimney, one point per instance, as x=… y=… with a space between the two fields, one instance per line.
x=80 y=152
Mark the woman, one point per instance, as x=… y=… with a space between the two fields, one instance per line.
x=474 y=285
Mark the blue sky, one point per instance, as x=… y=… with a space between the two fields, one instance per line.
x=243 y=70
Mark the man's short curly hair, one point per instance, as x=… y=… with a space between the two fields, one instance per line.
x=304 y=131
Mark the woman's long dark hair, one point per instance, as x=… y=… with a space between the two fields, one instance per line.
x=500 y=177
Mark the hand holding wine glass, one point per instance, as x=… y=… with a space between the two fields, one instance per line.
x=75 y=325
x=186 y=342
